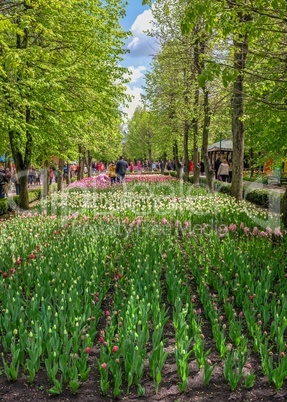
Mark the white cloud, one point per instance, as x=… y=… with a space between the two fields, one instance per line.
x=141 y=44
x=143 y=22
x=136 y=73
x=141 y=48
x=135 y=92
x=134 y=42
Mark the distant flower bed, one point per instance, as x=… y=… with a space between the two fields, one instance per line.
x=102 y=180
x=148 y=178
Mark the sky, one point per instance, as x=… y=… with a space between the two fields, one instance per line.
x=141 y=48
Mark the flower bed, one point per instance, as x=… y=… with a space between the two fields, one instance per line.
x=121 y=285
x=102 y=181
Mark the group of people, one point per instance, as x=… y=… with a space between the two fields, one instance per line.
x=222 y=168
x=8 y=177
x=117 y=170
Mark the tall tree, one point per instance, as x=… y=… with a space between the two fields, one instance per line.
x=59 y=64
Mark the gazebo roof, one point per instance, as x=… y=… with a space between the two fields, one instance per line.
x=226 y=145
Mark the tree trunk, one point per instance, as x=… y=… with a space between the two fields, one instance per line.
x=176 y=158
x=24 y=195
x=284 y=209
x=79 y=168
x=196 y=70
x=238 y=127
x=186 y=125
x=185 y=149
x=196 y=170
x=68 y=178
x=60 y=175
x=164 y=158
x=251 y=163
x=46 y=186
x=22 y=164
x=80 y=172
x=195 y=138
x=150 y=154
x=205 y=133
x=89 y=164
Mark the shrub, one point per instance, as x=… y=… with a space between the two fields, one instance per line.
x=170 y=173
x=3 y=206
x=222 y=187
x=263 y=197
x=33 y=195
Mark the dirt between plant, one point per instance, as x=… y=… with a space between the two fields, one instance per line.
x=217 y=390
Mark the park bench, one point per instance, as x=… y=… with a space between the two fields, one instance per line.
x=280 y=180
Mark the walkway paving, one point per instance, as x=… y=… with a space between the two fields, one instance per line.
x=12 y=192
x=271 y=187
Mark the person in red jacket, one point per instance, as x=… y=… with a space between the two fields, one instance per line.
x=190 y=166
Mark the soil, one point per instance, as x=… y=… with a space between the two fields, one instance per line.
x=217 y=390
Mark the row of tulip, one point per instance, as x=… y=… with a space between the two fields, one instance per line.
x=99 y=285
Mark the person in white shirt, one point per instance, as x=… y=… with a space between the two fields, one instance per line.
x=223 y=170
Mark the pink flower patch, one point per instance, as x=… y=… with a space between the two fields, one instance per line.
x=255 y=230
x=277 y=232
x=232 y=227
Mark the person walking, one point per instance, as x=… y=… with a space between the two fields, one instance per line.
x=7 y=186
x=139 y=167
x=216 y=166
x=51 y=175
x=112 y=172
x=223 y=171
x=121 y=169
x=201 y=168
x=3 y=181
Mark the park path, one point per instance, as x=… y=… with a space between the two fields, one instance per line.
x=272 y=187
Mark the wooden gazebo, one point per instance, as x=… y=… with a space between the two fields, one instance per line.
x=222 y=149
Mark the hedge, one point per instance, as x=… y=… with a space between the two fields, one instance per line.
x=260 y=196
x=6 y=205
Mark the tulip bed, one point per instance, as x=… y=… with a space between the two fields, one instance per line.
x=121 y=282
